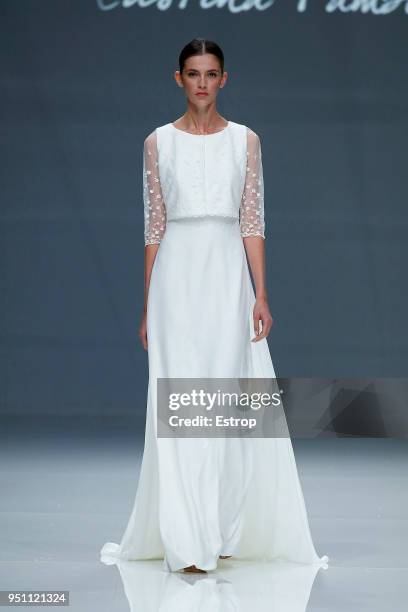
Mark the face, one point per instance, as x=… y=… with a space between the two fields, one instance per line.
x=201 y=75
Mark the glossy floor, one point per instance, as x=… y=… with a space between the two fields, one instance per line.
x=67 y=490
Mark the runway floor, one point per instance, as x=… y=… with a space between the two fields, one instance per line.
x=68 y=486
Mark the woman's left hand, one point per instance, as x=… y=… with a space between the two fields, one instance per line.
x=261 y=313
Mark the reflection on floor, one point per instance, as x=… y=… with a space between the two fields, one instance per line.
x=68 y=489
x=233 y=586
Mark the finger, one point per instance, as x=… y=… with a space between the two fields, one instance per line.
x=143 y=339
x=256 y=325
x=257 y=330
x=266 y=327
x=260 y=337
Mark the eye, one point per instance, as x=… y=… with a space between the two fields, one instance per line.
x=193 y=74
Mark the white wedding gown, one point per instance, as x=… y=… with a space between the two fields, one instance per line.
x=198 y=498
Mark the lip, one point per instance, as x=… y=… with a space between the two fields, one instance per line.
x=201 y=93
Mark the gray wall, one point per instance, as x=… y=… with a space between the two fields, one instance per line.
x=81 y=88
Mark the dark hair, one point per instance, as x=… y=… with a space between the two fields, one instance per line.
x=199 y=46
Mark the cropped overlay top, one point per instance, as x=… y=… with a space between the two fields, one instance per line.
x=195 y=175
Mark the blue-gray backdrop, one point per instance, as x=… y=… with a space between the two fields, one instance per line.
x=82 y=84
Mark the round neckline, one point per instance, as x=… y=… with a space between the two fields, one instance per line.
x=200 y=135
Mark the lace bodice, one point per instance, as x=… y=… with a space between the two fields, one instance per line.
x=192 y=175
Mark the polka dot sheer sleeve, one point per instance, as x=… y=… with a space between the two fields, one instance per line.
x=154 y=205
x=252 y=222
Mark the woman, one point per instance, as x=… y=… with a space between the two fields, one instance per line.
x=202 y=499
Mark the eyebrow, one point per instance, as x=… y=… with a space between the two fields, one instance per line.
x=209 y=70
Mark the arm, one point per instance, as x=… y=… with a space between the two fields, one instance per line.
x=154 y=219
x=150 y=256
x=252 y=224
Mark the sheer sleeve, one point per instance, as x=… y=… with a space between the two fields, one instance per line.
x=252 y=221
x=154 y=205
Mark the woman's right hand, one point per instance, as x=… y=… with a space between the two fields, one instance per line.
x=143 y=331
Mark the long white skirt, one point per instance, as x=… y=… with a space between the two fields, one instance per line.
x=199 y=498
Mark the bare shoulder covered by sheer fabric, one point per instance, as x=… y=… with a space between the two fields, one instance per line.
x=154 y=205
x=252 y=221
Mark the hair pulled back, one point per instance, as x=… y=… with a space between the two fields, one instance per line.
x=200 y=46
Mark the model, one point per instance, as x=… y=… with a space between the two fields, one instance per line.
x=202 y=499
